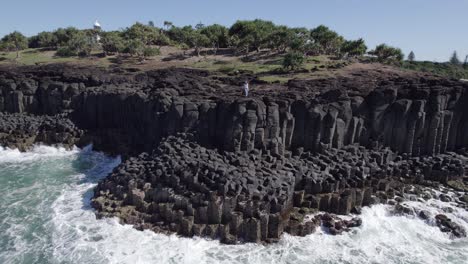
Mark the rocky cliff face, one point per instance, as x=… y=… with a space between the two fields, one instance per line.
x=221 y=165
x=418 y=116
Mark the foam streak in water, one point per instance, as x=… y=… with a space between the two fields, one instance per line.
x=46 y=218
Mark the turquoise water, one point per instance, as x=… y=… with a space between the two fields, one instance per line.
x=45 y=217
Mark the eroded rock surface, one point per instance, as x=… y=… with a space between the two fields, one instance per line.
x=199 y=159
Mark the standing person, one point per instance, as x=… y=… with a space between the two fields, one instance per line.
x=246 y=88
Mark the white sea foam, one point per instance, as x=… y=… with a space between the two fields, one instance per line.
x=78 y=237
x=383 y=238
x=8 y=155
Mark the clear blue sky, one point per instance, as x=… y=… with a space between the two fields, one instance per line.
x=433 y=29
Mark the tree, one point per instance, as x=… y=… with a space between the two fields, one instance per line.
x=197 y=41
x=251 y=34
x=146 y=34
x=189 y=37
x=387 y=53
x=112 y=42
x=465 y=63
x=151 y=23
x=329 y=40
x=80 y=44
x=134 y=47
x=64 y=35
x=217 y=35
x=454 y=59
x=411 y=57
x=293 y=60
x=179 y=35
x=354 y=47
x=281 y=37
x=44 y=39
x=199 y=26
x=14 y=41
x=311 y=48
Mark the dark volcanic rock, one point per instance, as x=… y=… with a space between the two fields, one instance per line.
x=258 y=196
x=447 y=225
x=23 y=130
x=199 y=160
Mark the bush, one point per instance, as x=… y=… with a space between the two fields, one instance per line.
x=112 y=42
x=354 y=47
x=134 y=47
x=151 y=51
x=387 y=53
x=64 y=35
x=79 y=45
x=65 y=52
x=293 y=60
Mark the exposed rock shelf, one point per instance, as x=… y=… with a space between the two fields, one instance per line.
x=201 y=160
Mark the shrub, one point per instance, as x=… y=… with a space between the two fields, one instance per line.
x=134 y=47
x=354 y=47
x=151 y=51
x=65 y=52
x=79 y=45
x=387 y=53
x=293 y=60
x=112 y=42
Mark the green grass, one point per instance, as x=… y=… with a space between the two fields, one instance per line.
x=275 y=79
x=235 y=66
x=272 y=65
x=444 y=69
x=269 y=70
x=31 y=57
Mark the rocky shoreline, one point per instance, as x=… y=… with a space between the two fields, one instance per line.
x=199 y=160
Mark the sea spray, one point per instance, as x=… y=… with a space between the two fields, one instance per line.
x=46 y=218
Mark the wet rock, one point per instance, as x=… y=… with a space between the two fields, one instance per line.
x=447 y=225
x=199 y=160
x=423 y=214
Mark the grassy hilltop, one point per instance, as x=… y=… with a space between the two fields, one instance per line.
x=273 y=53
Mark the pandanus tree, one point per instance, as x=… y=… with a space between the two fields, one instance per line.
x=14 y=41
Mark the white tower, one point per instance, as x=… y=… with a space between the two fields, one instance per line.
x=97 y=30
x=97 y=26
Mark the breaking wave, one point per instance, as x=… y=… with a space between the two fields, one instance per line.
x=46 y=217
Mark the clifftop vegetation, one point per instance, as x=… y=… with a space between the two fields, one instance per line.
x=245 y=38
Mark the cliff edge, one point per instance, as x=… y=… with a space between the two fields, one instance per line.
x=201 y=159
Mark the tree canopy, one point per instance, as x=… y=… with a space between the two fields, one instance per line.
x=354 y=47
x=244 y=36
x=411 y=56
x=251 y=35
x=328 y=40
x=14 y=41
x=385 y=53
x=217 y=35
x=454 y=59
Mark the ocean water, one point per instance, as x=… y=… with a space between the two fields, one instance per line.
x=45 y=217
